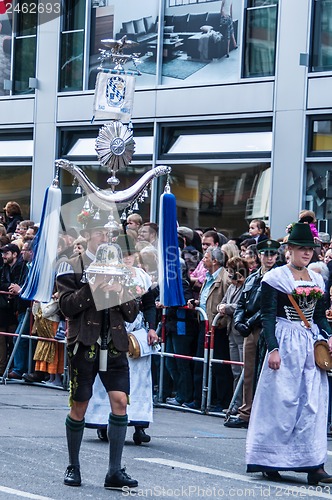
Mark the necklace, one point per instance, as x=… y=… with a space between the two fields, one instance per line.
x=298 y=268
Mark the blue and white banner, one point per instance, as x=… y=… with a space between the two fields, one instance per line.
x=114 y=96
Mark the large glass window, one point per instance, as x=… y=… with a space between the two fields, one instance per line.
x=5 y=53
x=15 y=182
x=320 y=136
x=321 y=57
x=318 y=189
x=199 y=42
x=319 y=194
x=220 y=172
x=72 y=46
x=224 y=195
x=18 y=49
x=16 y=151
x=260 y=38
x=138 y=21
x=199 y=39
x=226 y=139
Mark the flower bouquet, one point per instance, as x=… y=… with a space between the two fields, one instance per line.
x=84 y=216
x=308 y=292
x=136 y=290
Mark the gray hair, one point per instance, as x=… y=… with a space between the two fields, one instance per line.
x=321 y=268
x=217 y=254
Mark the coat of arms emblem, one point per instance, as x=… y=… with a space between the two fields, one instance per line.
x=115 y=91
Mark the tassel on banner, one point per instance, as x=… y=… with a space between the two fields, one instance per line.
x=170 y=275
x=40 y=281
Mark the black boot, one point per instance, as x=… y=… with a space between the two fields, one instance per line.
x=139 y=435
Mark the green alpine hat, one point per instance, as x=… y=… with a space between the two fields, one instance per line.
x=268 y=246
x=301 y=236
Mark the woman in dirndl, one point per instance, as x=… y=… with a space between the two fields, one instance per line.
x=288 y=423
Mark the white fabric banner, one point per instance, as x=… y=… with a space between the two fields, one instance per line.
x=114 y=96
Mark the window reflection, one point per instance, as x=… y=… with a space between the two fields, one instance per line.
x=322 y=36
x=72 y=46
x=221 y=195
x=15 y=184
x=5 y=51
x=319 y=194
x=23 y=56
x=138 y=21
x=260 y=38
x=322 y=135
x=71 y=68
x=24 y=64
x=200 y=42
x=223 y=143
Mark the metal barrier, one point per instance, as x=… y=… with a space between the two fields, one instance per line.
x=207 y=361
x=19 y=336
x=163 y=354
x=221 y=361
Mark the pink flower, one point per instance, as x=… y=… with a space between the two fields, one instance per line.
x=314 y=292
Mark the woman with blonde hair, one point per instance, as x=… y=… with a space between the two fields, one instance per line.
x=231 y=250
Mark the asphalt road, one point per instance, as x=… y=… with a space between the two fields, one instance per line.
x=190 y=455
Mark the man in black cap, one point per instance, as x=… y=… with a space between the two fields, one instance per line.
x=10 y=273
x=247 y=322
x=80 y=303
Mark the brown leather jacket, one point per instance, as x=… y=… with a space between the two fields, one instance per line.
x=78 y=306
x=215 y=296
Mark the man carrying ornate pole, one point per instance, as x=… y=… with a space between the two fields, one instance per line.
x=79 y=301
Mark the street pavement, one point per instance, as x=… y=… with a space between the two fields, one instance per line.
x=190 y=455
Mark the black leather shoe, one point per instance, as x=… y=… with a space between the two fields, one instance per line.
x=34 y=377
x=72 y=476
x=272 y=475
x=118 y=480
x=14 y=376
x=237 y=423
x=140 y=437
x=102 y=434
x=316 y=477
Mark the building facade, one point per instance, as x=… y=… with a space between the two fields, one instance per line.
x=234 y=95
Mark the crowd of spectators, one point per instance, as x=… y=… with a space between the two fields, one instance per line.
x=219 y=273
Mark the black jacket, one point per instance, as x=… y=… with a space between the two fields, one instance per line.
x=78 y=305
x=249 y=305
x=11 y=274
x=271 y=300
